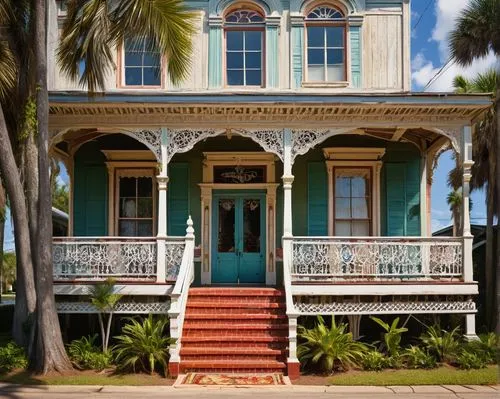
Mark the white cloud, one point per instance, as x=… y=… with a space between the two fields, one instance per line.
x=424 y=70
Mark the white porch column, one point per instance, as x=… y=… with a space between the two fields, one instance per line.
x=467 y=236
x=162 y=180
x=424 y=227
x=287 y=183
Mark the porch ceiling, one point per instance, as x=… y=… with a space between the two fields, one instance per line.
x=294 y=110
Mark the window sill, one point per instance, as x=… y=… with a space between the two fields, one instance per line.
x=325 y=84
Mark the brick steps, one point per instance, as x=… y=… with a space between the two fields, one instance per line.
x=234 y=330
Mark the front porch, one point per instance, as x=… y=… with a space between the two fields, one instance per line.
x=336 y=217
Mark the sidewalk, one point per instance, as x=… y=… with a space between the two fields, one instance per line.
x=494 y=391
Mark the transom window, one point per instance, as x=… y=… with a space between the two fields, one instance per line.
x=244 y=31
x=352 y=202
x=142 y=63
x=326 y=32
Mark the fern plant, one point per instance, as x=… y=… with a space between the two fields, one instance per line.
x=392 y=335
x=143 y=344
x=332 y=348
x=85 y=354
x=467 y=360
x=443 y=344
x=373 y=360
x=417 y=358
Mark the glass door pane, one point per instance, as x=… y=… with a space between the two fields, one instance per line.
x=251 y=225
x=135 y=206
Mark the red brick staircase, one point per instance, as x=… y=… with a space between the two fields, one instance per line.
x=234 y=330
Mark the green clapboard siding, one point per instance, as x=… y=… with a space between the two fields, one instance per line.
x=177 y=198
x=317 y=199
x=90 y=193
x=402 y=182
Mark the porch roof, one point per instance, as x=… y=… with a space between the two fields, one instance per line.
x=290 y=109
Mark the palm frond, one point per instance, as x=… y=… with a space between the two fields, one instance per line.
x=167 y=23
x=85 y=39
x=486 y=82
x=477 y=32
x=8 y=71
x=462 y=85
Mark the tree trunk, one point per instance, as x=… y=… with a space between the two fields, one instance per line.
x=31 y=188
x=497 y=180
x=50 y=354
x=103 y=333
x=25 y=287
x=489 y=268
x=3 y=210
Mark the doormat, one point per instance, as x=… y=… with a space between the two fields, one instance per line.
x=233 y=379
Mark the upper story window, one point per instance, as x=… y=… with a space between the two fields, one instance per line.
x=326 y=38
x=244 y=30
x=142 y=63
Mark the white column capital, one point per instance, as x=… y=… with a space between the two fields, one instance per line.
x=162 y=182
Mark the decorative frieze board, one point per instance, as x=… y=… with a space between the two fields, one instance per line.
x=371 y=308
x=121 y=307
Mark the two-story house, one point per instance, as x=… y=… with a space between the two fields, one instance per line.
x=289 y=175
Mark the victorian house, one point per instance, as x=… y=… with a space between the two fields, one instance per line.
x=289 y=175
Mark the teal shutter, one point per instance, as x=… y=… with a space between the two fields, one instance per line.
x=317 y=199
x=90 y=202
x=395 y=174
x=413 y=197
x=177 y=199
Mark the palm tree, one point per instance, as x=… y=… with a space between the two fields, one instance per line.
x=94 y=27
x=454 y=201
x=104 y=300
x=477 y=33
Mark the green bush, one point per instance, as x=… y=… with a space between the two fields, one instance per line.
x=392 y=336
x=486 y=347
x=441 y=343
x=12 y=357
x=468 y=360
x=143 y=344
x=417 y=358
x=85 y=354
x=330 y=348
x=373 y=360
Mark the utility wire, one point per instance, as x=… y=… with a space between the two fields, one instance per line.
x=447 y=65
x=422 y=15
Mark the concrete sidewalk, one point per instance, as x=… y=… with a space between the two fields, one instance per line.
x=453 y=390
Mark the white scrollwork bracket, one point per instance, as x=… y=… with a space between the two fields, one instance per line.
x=305 y=139
x=151 y=138
x=270 y=140
x=183 y=140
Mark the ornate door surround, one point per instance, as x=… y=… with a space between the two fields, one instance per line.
x=239 y=159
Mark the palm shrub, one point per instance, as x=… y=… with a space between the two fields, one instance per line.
x=441 y=343
x=12 y=357
x=467 y=360
x=418 y=358
x=486 y=347
x=85 y=354
x=332 y=348
x=392 y=340
x=104 y=299
x=143 y=344
x=373 y=360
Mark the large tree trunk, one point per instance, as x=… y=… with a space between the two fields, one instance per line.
x=497 y=180
x=30 y=166
x=3 y=210
x=25 y=287
x=50 y=354
x=489 y=270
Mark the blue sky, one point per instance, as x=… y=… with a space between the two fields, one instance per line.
x=431 y=22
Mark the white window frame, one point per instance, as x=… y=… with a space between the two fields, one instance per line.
x=371 y=158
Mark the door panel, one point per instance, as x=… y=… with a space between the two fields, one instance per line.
x=238 y=239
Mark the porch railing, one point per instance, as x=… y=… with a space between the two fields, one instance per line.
x=348 y=258
x=125 y=258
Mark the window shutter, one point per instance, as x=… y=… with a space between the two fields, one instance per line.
x=317 y=199
x=177 y=199
x=396 y=198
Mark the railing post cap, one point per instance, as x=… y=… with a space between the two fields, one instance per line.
x=190 y=228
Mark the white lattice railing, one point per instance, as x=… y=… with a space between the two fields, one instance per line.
x=180 y=293
x=94 y=258
x=341 y=258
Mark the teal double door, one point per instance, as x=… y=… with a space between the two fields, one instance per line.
x=238 y=237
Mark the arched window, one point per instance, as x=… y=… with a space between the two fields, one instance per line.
x=326 y=38
x=244 y=31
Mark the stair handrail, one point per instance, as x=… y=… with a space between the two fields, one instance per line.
x=180 y=292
